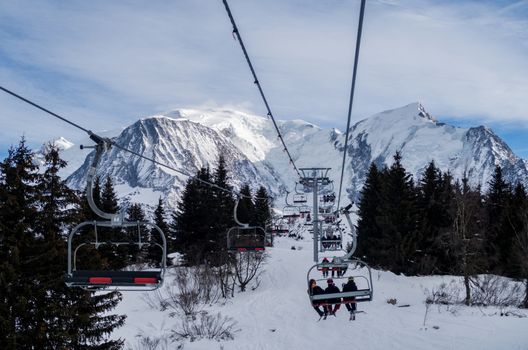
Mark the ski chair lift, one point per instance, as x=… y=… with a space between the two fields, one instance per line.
x=134 y=280
x=327 y=188
x=269 y=238
x=331 y=244
x=302 y=188
x=308 y=221
x=299 y=198
x=290 y=212
x=326 y=211
x=280 y=229
x=329 y=219
x=304 y=210
x=329 y=241
x=244 y=238
x=342 y=270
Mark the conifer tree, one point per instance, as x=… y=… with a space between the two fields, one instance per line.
x=65 y=326
x=159 y=220
x=262 y=208
x=116 y=256
x=108 y=197
x=398 y=219
x=519 y=223
x=194 y=217
x=369 y=232
x=499 y=234
x=18 y=208
x=434 y=221
x=41 y=309
x=54 y=217
x=246 y=207
x=223 y=204
x=133 y=253
x=513 y=263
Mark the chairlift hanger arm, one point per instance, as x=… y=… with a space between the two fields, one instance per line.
x=235 y=216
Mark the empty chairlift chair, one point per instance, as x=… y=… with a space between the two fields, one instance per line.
x=244 y=238
x=299 y=198
x=145 y=235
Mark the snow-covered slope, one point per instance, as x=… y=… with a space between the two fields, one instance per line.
x=278 y=315
x=190 y=138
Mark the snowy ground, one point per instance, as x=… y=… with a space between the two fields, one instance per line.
x=278 y=315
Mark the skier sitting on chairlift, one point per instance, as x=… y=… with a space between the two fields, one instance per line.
x=350 y=302
x=332 y=288
x=316 y=290
x=336 y=269
x=325 y=269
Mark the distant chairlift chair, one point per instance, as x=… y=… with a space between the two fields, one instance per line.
x=244 y=238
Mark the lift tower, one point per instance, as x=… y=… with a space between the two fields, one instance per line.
x=313 y=180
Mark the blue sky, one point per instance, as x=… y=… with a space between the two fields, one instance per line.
x=104 y=64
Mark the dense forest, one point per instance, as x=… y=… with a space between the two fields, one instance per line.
x=440 y=225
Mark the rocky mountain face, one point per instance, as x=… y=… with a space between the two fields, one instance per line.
x=188 y=139
x=179 y=143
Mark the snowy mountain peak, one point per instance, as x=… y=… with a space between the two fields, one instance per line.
x=179 y=143
x=410 y=113
x=63 y=144
x=188 y=139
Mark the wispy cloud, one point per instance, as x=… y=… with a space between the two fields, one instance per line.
x=107 y=63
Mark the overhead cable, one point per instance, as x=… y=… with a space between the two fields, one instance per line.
x=113 y=143
x=352 y=88
x=236 y=33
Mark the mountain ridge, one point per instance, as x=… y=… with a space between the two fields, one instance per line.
x=188 y=139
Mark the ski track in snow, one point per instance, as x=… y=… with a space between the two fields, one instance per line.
x=280 y=303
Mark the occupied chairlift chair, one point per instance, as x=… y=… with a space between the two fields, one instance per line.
x=328 y=243
x=136 y=280
x=244 y=238
x=304 y=210
x=346 y=267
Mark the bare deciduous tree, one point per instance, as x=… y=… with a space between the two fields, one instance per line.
x=247 y=267
x=466 y=242
x=215 y=327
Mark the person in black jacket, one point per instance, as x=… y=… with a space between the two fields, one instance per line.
x=325 y=269
x=316 y=290
x=332 y=288
x=350 y=302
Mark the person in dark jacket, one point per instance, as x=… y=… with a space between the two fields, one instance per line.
x=325 y=268
x=316 y=290
x=350 y=302
x=332 y=288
